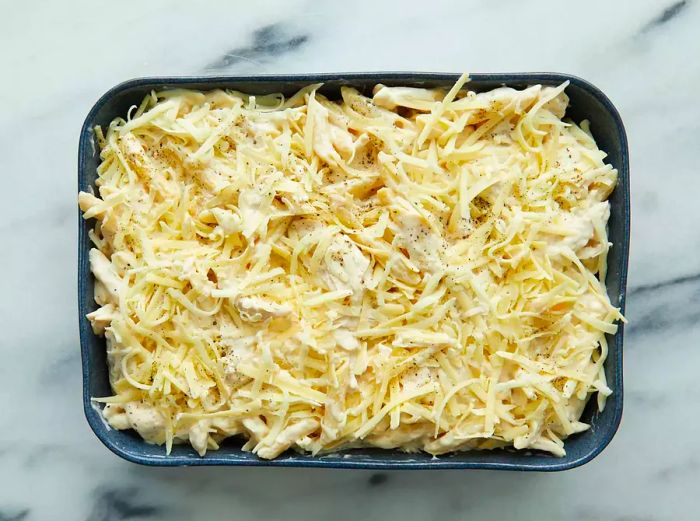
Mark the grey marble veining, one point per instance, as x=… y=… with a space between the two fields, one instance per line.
x=270 y=42
x=59 y=57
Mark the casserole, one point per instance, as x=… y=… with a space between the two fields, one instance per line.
x=586 y=103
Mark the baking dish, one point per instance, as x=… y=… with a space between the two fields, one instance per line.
x=586 y=102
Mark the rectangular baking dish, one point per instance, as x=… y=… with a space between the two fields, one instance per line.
x=587 y=102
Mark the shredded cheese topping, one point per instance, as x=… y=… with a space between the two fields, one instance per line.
x=419 y=269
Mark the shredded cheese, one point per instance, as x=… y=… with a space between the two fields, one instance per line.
x=418 y=269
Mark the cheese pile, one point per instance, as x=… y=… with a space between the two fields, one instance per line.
x=418 y=269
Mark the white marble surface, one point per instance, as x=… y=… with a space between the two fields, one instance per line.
x=59 y=57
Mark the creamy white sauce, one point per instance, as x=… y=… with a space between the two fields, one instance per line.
x=255 y=309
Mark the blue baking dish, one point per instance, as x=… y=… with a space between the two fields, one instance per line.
x=587 y=102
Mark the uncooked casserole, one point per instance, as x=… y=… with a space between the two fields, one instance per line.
x=418 y=269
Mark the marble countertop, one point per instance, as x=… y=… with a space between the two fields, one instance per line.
x=60 y=57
